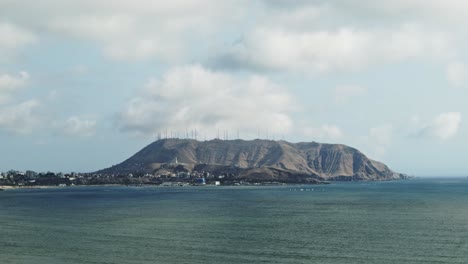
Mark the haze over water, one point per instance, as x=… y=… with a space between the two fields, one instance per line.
x=415 y=221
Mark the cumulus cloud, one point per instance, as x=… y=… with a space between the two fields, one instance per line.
x=324 y=132
x=193 y=97
x=13 y=37
x=17 y=118
x=77 y=126
x=126 y=30
x=446 y=125
x=9 y=83
x=449 y=11
x=435 y=12
x=325 y=37
x=305 y=36
x=457 y=74
x=443 y=126
x=21 y=118
x=324 y=51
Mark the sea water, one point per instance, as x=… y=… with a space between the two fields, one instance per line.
x=413 y=221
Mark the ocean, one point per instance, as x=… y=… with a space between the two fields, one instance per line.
x=411 y=221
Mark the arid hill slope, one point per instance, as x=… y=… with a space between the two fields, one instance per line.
x=257 y=157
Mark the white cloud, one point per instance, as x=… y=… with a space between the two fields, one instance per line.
x=344 y=93
x=447 y=11
x=10 y=83
x=324 y=132
x=324 y=51
x=193 y=97
x=77 y=126
x=13 y=37
x=435 y=12
x=443 y=126
x=446 y=125
x=457 y=74
x=137 y=31
x=325 y=37
x=17 y=118
x=305 y=36
x=21 y=118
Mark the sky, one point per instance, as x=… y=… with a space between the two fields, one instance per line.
x=86 y=84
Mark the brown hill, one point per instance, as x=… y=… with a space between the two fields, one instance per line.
x=258 y=158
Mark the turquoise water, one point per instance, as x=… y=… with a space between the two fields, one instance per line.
x=416 y=221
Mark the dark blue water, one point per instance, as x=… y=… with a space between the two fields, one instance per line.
x=416 y=221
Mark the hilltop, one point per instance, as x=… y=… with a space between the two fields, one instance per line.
x=255 y=160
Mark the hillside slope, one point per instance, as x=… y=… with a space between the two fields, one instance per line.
x=306 y=159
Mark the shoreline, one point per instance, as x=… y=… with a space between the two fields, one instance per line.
x=9 y=187
x=5 y=188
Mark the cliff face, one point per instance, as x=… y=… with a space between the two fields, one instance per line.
x=257 y=157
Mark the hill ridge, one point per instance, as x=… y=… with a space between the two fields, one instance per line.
x=320 y=161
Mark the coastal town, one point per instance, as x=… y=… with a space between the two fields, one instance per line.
x=14 y=178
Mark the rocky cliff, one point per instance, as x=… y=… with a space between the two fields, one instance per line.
x=265 y=159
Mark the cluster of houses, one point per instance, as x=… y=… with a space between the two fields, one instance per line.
x=161 y=177
x=30 y=178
